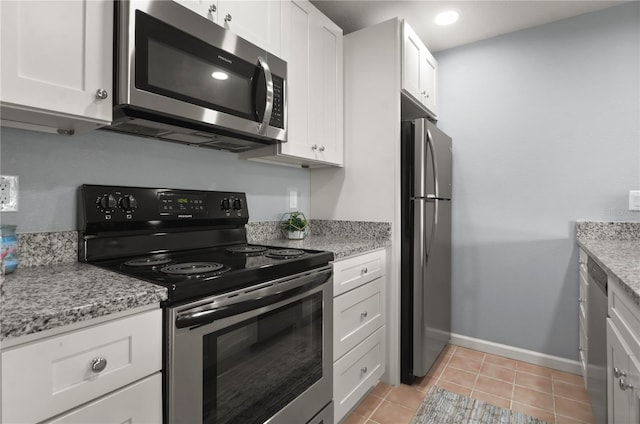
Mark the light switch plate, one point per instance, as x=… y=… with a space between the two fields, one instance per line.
x=8 y=193
x=634 y=200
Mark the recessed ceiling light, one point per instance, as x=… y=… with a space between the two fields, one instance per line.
x=446 y=18
x=220 y=75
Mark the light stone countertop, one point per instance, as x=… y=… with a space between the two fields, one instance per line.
x=618 y=257
x=34 y=299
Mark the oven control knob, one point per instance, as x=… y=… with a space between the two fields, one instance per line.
x=237 y=204
x=107 y=202
x=225 y=204
x=128 y=203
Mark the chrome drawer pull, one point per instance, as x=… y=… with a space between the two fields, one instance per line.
x=363 y=370
x=364 y=270
x=98 y=364
x=624 y=385
x=363 y=315
x=619 y=373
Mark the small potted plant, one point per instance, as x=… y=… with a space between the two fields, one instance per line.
x=294 y=225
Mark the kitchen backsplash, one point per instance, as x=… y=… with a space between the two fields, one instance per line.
x=47 y=248
x=266 y=230
x=601 y=230
x=62 y=247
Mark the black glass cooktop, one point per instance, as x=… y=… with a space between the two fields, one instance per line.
x=203 y=272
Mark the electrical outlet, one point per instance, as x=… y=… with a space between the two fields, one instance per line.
x=634 y=200
x=8 y=193
x=293 y=199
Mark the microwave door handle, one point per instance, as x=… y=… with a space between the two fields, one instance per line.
x=268 y=108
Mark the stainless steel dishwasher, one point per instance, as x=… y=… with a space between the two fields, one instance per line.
x=597 y=341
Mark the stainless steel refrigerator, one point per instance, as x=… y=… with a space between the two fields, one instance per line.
x=425 y=312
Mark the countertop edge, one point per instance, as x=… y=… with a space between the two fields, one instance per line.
x=635 y=295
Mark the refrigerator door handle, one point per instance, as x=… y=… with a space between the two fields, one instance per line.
x=434 y=229
x=434 y=161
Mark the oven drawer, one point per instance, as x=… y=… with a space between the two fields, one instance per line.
x=135 y=404
x=357 y=314
x=357 y=372
x=358 y=270
x=56 y=374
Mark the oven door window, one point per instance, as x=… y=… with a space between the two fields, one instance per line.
x=175 y=64
x=255 y=368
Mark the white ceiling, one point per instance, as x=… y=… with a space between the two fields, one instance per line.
x=479 y=19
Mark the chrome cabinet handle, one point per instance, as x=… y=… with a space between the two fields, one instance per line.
x=314 y=147
x=268 y=107
x=617 y=372
x=227 y=18
x=321 y=148
x=212 y=8
x=98 y=364
x=624 y=385
x=363 y=370
x=364 y=314
x=364 y=270
x=101 y=94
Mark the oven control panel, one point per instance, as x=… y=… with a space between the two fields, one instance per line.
x=118 y=205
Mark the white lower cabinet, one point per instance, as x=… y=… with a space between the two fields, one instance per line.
x=45 y=378
x=582 y=309
x=358 y=328
x=623 y=356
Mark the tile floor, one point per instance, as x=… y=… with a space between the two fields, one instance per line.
x=554 y=396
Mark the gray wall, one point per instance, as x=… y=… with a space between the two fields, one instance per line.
x=545 y=124
x=51 y=167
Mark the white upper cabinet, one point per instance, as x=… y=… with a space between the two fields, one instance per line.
x=312 y=48
x=258 y=22
x=56 y=65
x=419 y=71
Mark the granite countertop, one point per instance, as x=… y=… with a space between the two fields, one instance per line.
x=39 y=298
x=618 y=257
x=340 y=246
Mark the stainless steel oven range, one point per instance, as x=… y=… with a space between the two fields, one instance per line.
x=247 y=327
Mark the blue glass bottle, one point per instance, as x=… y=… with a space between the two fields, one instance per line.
x=8 y=248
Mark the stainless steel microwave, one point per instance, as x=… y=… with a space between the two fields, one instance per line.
x=180 y=77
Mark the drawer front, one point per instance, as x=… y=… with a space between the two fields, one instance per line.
x=582 y=262
x=356 y=314
x=356 y=271
x=135 y=404
x=625 y=314
x=56 y=374
x=582 y=298
x=582 y=351
x=357 y=372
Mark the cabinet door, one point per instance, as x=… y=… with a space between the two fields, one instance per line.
x=411 y=62
x=258 y=22
x=206 y=8
x=428 y=69
x=57 y=374
x=313 y=51
x=623 y=402
x=56 y=55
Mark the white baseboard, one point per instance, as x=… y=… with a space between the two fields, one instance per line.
x=549 y=361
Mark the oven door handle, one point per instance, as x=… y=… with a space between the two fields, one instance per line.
x=249 y=299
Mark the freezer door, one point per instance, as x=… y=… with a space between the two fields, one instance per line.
x=438 y=161
x=432 y=283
